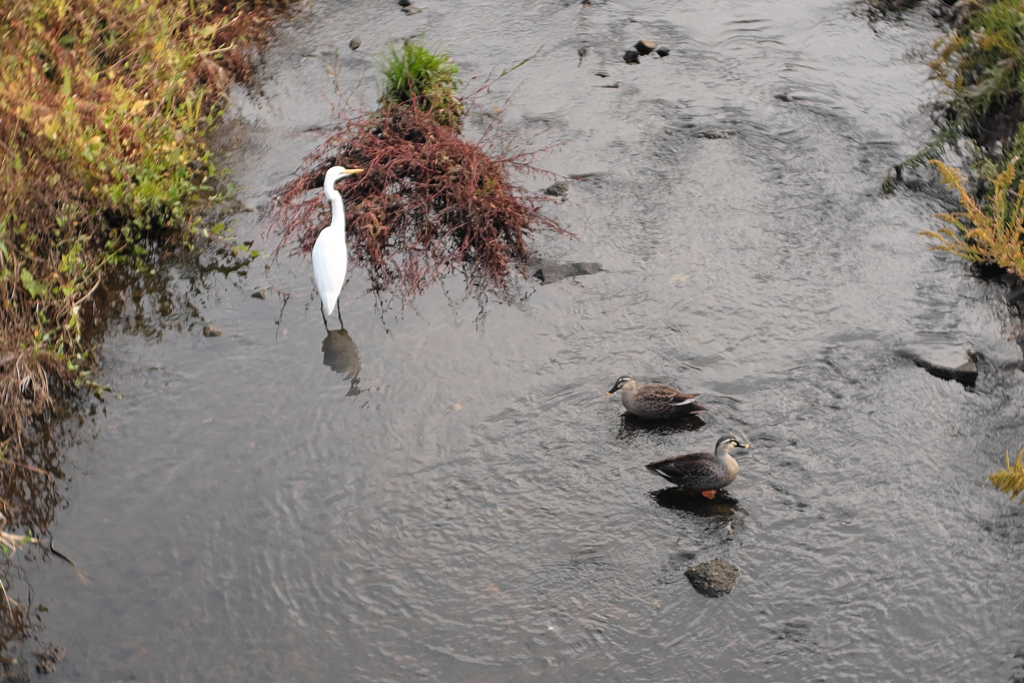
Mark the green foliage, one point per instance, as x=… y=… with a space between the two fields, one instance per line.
x=103 y=111
x=982 y=62
x=415 y=72
x=1010 y=480
x=991 y=233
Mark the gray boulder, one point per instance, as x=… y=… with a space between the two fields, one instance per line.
x=713 y=579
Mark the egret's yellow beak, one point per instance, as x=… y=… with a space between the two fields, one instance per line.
x=353 y=171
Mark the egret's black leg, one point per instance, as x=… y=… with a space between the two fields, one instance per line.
x=324 y=317
x=339 y=316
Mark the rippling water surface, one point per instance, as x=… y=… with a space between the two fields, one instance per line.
x=447 y=494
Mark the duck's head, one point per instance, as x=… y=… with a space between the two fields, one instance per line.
x=727 y=443
x=625 y=382
x=336 y=172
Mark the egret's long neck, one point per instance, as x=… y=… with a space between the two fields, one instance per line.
x=337 y=209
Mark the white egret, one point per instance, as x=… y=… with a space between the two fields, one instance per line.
x=330 y=252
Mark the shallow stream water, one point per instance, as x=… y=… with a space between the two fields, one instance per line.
x=450 y=495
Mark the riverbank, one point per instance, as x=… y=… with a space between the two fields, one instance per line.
x=104 y=113
x=980 y=66
x=104 y=110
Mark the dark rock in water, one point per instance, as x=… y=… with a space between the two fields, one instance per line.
x=632 y=57
x=354 y=44
x=713 y=579
x=259 y=294
x=662 y=51
x=211 y=331
x=404 y=3
x=645 y=47
x=46 y=660
x=553 y=272
x=559 y=189
x=944 y=362
x=602 y=74
x=1016 y=297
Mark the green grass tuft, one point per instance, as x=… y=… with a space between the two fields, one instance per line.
x=418 y=73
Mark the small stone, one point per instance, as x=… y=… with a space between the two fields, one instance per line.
x=713 y=579
x=559 y=189
x=645 y=47
x=259 y=294
x=354 y=44
x=211 y=331
x=631 y=57
x=602 y=74
x=553 y=272
x=412 y=10
x=663 y=51
x=404 y=3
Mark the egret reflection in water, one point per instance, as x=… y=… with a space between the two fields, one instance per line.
x=342 y=356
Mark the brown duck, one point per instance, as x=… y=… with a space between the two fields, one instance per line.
x=655 y=401
x=703 y=473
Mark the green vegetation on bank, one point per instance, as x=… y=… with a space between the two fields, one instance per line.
x=103 y=109
x=981 y=66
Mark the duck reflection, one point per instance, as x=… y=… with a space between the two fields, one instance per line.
x=631 y=425
x=674 y=498
x=342 y=356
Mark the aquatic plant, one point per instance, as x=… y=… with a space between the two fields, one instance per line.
x=429 y=202
x=1010 y=480
x=990 y=233
x=103 y=108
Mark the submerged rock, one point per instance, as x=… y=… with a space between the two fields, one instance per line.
x=944 y=362
x=211 y=331
x=412 y=10
x=645 y=47
x=553 y=272
x=46 y=660
x=663 y=51
x=558 y=189
x=631 y=57
x=259 y=294
x=404 y=3
x=354 y=44
x=713 y=579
